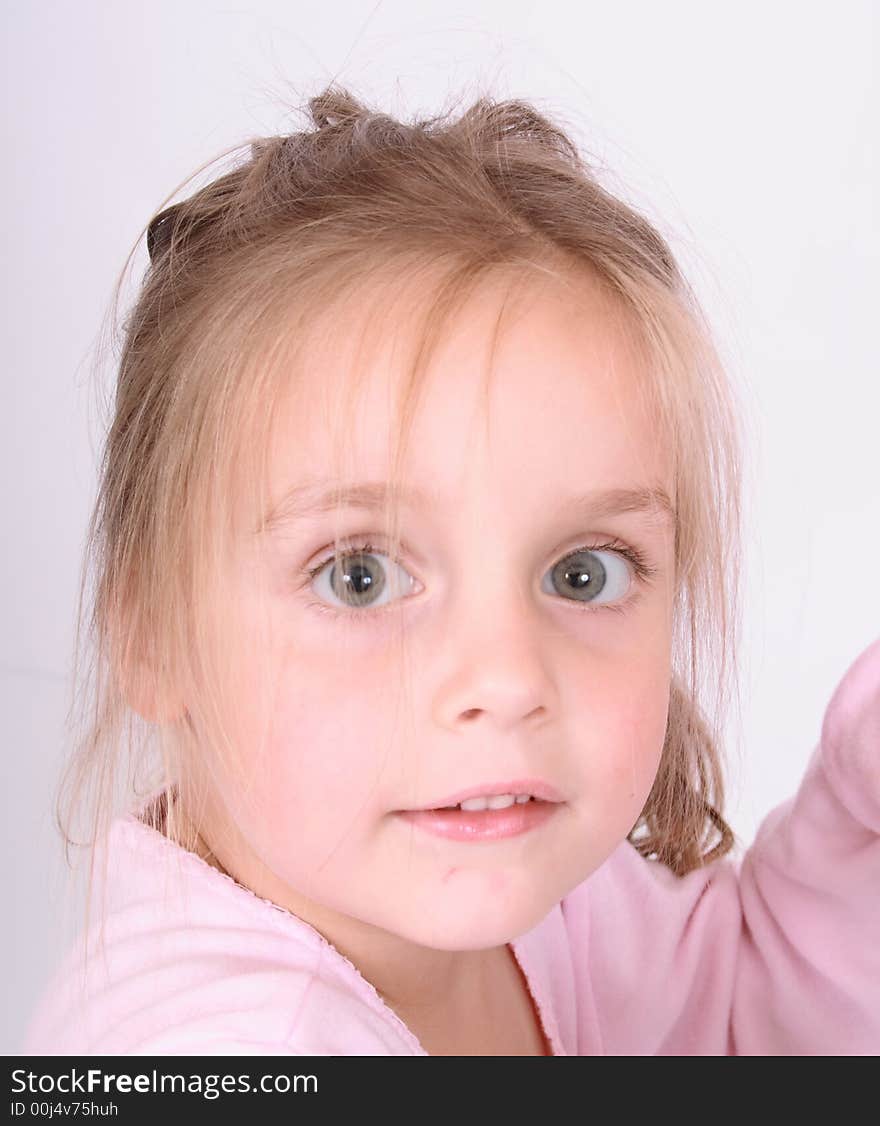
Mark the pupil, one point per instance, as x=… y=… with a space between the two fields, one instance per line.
x=585 y=576
x=357 y=580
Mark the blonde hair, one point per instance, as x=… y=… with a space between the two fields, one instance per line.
x=240 y=273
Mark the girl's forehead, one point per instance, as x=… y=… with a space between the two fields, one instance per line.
x=505 y=353
x=545 y=372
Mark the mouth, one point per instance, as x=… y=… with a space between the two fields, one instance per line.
x=485 y=817
x=502 y=795
x=479 y=805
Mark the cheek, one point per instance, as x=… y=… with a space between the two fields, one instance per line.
x=309 y=728
x=311 y=704
x=319 y=779
x=629 y=774
x=330 y=731
x=626 y=732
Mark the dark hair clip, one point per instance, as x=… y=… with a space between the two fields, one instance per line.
x=160 y=230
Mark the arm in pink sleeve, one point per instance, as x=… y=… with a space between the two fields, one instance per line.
x=808 y=973
x=779 y=955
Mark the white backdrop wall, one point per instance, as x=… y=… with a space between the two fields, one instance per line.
x=747 y=133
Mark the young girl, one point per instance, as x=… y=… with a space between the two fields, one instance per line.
x=478 y=809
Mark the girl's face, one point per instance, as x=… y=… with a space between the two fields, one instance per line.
x=528 y=660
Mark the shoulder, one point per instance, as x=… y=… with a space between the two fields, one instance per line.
x=183 y=960
x=628 y=878
x=251 y=1008
x=633 y=915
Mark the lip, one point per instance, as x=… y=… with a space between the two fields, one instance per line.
x=539 y=789
x=482 y=825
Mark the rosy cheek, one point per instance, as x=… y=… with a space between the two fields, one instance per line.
x=629 y=742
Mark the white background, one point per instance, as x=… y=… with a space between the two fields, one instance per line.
x=746 y=132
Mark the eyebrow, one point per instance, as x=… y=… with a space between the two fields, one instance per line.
x=320 y=497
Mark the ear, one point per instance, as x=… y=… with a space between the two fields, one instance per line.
x=145 y=696
x=143 y=690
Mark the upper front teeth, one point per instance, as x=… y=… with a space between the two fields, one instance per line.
x=498 y=801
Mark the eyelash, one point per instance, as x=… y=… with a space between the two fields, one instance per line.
x=643 y=570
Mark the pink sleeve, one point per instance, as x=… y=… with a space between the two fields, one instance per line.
x=777 y=955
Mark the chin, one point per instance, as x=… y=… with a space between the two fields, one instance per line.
x=477 y=925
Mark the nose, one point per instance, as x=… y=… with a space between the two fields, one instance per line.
x=495 y=663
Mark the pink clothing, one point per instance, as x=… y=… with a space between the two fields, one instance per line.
x=778 y=953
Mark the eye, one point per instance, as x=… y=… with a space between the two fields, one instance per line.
x=596 y=578
x=593 y=576
x=357 y=579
